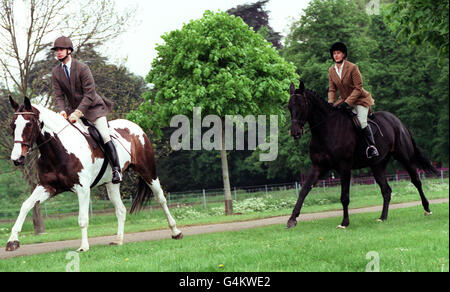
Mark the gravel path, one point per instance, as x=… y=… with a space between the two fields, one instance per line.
x=30 y=249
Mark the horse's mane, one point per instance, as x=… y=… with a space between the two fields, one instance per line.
x=318 y=100
x=51 y=119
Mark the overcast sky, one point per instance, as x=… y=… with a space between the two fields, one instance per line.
x=136 y=48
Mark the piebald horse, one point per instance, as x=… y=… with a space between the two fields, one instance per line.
x=69 y=161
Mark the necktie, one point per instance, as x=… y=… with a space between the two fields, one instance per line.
x=67 y=72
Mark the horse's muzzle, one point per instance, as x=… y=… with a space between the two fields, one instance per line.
x=20 y=161
x=297 y=134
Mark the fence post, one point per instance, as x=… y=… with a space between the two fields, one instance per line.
x=45 y=209
x=204 y=199
x=375 y=184
x=266 y=190
x=296 y=189
x=90 y=208
x=235 y=197
x=396 y=178
x=442 y=176
x=323 y=182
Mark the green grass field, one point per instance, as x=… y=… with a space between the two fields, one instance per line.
x=275 y=204
x=408 y=241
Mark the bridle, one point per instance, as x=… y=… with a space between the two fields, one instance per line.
x=31 y=149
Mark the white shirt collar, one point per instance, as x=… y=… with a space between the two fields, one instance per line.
x=68 y=64
x=339 y=71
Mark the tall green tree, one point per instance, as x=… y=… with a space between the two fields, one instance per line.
x=219 y=64
x=257 y=17
x=420 y=23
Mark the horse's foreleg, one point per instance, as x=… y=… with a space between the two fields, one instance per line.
x=159 y=195
x=312 y=178
x=83 y=216
x=114 y=196
x=345 y=197
x=380 y=177
x=40 y=194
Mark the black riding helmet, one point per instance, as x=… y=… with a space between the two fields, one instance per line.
x=338 y=46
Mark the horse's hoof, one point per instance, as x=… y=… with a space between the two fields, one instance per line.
x=178 y=236
x=83 y=249
x=380 y=220
x=428 y=213
x=291 y=223
x=116 y=242
x=12 y=245
x=341 y=227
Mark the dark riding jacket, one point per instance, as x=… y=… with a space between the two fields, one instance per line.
x=350 y=86
x=79 y=92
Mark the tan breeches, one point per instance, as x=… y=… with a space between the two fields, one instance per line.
x=102 y=126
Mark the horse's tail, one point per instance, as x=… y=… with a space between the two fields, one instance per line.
x=422 y=161
x=143 y=195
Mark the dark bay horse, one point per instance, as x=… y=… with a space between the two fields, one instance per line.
x=69 y=161
x=336 y=145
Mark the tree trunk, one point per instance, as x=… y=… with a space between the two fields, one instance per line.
x=38 y=220
x=226 y=178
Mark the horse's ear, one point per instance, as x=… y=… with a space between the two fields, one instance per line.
x=14 y=104
x=27 y=103
x=302 y=87
x=292 y=88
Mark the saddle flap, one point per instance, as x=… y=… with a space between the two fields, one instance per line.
x=93 y=132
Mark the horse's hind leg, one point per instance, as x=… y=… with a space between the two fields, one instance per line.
x=159 y=195
x=379 y=172
x=345 y=197
x=114 y=196
x=418 y=184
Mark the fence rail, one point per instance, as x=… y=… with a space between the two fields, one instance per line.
x=208 y=196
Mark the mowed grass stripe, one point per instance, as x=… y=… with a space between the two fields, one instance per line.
x=408 y=241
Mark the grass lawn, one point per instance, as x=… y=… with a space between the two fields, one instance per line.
x=275 y=204
x=408 y=241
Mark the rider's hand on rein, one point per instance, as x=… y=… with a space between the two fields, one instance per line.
x=73 y=118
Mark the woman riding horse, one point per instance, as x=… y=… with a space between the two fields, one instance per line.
x=345 y=77
x=73 y=80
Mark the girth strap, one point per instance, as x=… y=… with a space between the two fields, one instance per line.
x=101 y=173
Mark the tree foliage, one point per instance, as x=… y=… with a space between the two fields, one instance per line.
x=219 y=64
x=258 y=18
x=420 y=23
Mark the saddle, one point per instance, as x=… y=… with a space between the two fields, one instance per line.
x=98 y=142
x=370 y=120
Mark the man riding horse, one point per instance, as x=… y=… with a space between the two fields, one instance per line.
x=72 y=80
x=345 y=77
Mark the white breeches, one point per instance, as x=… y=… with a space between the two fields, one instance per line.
x=102 y=126
x=361 y=113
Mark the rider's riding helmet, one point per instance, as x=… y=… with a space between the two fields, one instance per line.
x=63 y=43
x=338 y=46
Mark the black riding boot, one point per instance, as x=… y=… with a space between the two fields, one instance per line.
x=111 y=153
x=371 y=150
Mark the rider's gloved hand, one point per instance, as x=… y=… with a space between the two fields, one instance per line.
x=73 y=118
x=344 y=106
x=63 y=114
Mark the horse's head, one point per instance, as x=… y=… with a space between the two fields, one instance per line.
x=299 y=108
x=25 y=127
